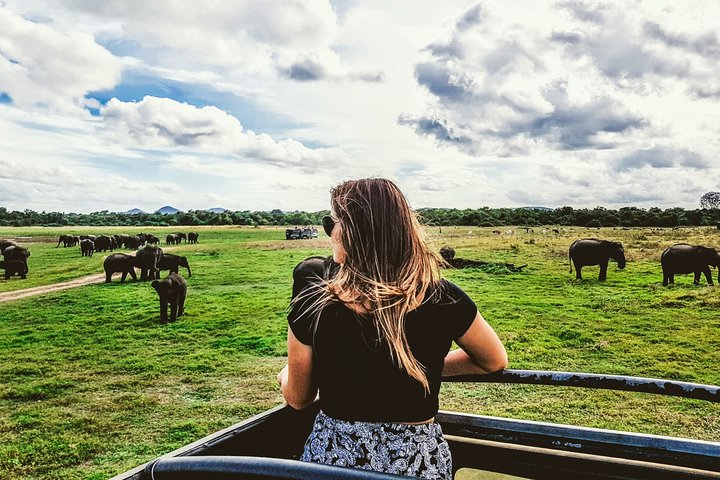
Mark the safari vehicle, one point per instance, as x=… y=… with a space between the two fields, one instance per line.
x=300 y=233
x=292 y=233
x=267 y=446
x=309 y=232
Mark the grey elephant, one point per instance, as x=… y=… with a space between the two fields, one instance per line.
x=16 y=252
x=132 y=241
x=122 y=263
x=192 y=237
x=172 y=291
x=152 y=239
x=147 y=259
x=171 y=239
x=173 y=263
x=14 y=267
x=682 y=258
x=5 y=244
x=181 y=236
x=104 y=243
x=591 y=251
x=67 y=241
x=87 y=247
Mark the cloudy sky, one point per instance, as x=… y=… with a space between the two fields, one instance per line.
x=262 y=104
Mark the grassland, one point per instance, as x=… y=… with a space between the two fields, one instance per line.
x=91 y=384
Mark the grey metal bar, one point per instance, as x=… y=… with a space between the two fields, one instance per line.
x=657 y=386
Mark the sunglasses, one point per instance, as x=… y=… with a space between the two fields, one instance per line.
x=328 y=224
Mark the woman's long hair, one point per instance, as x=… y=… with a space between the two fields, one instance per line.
x=389 y=268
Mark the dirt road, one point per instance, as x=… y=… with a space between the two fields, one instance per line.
x=30 y=292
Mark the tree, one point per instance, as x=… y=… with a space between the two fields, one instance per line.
x=710 y=200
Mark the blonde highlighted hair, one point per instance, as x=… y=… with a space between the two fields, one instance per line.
x=389 y=269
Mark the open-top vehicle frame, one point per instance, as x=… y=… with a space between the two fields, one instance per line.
x=268 y=445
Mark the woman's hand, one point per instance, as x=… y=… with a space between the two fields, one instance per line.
x=282 y=376
x=296 y=378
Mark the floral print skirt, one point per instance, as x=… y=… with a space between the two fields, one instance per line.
x=399 y=448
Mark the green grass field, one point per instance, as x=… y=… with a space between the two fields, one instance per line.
x=92 y=385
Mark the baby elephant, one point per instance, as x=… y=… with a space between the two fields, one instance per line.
x=14 y=267
x=172 y=290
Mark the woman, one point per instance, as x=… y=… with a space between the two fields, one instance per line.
x=371 y=330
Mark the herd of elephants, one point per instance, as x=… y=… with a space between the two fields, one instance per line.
x=148 y=257
x=680 y=258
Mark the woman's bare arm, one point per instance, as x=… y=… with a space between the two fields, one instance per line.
x=295 y=379
x=481 y=351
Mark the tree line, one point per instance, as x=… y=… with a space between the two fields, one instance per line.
x=481 y=217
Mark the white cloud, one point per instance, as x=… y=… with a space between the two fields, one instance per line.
x=259 y=37
x=165 y=123
x=162 y=122
x=42 y=65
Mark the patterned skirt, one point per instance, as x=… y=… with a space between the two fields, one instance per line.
x=399 y=448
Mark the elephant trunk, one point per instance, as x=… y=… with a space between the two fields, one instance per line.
x=621 y=263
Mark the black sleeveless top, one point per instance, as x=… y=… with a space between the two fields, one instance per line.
x=353 y=369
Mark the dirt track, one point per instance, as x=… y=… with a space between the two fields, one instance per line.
x=30 y=292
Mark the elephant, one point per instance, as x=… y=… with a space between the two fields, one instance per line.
x=119 y=262
x=591 y=251
x=118 y=240
x=66 y=240
x=5 y=244
x=172 y=290
x=147 y=259
x=87 y=247
x=193 y=237
x=103 y=243
x=173 y=263
x=448 y=253
x=171 y=239
x=132 y=241
x=14 y=267
x=88 y=237
x=152 y=239
x=682 y=258
x=16 y=252
x=180 y=237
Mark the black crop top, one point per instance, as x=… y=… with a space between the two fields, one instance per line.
x=354 y=371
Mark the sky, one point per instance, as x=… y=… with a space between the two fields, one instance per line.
x=264 y=104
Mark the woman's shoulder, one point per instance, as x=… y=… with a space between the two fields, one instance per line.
x=310 y=267
x=448 y=291
x=311 y=272
x=315 y=267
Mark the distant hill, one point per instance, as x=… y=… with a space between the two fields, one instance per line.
x=167 y=210
x=218 y=210
x=537 y=208
x=134 y=211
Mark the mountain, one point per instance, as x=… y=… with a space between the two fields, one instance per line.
x=167 y=210
x=537 y=208
x=218 y=210
x=134 y=211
